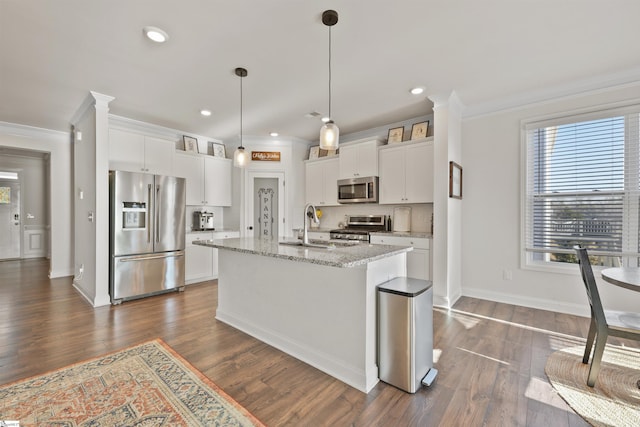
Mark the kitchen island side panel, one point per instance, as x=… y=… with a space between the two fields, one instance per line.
x=324 y=316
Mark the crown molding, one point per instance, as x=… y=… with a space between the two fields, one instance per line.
x=24 y=131
x=591 y=86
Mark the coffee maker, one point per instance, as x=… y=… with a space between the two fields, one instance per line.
x=202 y=221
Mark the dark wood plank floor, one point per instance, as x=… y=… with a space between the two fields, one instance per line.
x=490 y=356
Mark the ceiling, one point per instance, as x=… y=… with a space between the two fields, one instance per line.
x=493 y=54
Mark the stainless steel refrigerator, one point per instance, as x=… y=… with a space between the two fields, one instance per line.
x=146 y=234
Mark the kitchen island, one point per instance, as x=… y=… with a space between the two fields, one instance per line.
x=316 y=304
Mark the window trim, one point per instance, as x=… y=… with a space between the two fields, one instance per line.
x=557 y=119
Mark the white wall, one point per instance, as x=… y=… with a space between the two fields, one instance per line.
x=91 y=167
x=491 y=216
x=61 y=216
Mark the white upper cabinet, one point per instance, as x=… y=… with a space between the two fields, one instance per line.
x=134 y=152
x=217 y=181
x=406 y=174
x=208 y=179
x=321 y=182
x=359 y=159
x=191 y=167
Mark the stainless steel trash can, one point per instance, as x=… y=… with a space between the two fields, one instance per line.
x=405 y=332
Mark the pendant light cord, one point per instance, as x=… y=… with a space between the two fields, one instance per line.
x=330 y=118
x=241 y=112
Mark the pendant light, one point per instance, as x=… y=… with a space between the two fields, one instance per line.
x=240 y=157
x=329 y=132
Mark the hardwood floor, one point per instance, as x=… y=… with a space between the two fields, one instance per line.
x=490 y=356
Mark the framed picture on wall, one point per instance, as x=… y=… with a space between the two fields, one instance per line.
x=190 y=144
x=314 y=152
x=218 y=149
x=420 y=130
x=395 y=135
x=455 y=180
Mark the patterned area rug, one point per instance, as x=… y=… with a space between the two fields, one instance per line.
x=615 y=399
x=146 y=385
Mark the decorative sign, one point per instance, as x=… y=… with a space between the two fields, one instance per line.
x=265 y=156
x=266 y=211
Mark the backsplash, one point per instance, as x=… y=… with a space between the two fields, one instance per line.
x=333 y=216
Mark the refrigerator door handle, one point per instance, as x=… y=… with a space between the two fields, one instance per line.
x=157 y=214
x=149 y=225
x=145 y=257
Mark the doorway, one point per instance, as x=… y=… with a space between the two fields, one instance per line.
x=10 y=208
x=265 y=206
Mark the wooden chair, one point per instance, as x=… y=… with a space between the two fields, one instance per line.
x=603 y=323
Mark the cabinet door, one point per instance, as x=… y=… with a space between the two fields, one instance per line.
x=419 y=173
x=348 y=161
x=367 y=164
x=217 y=181
x=330 y=182
x=158 y=155
x=126 y=151
x=191 y=167
x=392 y=176
x=314 y=183
x=198 y=263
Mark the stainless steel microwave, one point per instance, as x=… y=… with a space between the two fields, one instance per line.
x=358 y=190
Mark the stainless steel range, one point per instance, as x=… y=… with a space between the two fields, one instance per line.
x=358 y=227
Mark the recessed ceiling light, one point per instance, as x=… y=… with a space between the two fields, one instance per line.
x=205 y=113
x=274 y=134
x=417 y=90
x=156 y=34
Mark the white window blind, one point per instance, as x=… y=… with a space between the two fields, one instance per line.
x=583 y=187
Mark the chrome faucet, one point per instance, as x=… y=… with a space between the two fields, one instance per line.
x=309 y=212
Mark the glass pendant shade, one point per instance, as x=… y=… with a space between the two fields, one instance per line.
x=240 y=158
x=329 y=135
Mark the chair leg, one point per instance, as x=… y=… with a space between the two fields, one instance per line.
x=601 y=341
x=590 y=337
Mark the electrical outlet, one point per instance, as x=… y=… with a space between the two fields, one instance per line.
x=507 y=275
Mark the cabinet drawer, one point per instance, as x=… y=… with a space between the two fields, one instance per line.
x=416 y=242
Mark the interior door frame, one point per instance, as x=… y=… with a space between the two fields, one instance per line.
x=20 y=208
x=248 y=214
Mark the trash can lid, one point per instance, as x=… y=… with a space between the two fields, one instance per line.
x=405 y=286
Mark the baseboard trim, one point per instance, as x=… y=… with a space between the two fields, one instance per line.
x=538 y=303
x=55 y=274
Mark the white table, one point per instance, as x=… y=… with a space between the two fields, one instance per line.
x=626 y=277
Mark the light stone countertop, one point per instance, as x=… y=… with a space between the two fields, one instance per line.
x=340 y=256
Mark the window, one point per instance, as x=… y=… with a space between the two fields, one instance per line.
x=582 y=188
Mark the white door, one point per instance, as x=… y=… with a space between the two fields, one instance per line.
x=265 y=207
x=9 y=219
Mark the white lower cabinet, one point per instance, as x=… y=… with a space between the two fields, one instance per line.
x=201 y=263
x=418 y=260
